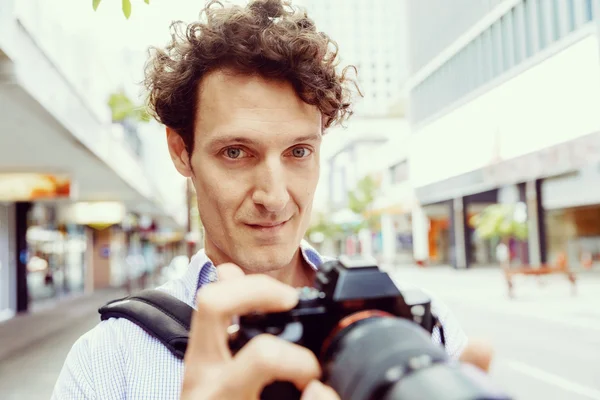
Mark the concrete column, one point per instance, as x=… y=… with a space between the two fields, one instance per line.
x=88 y=280
x=420 y=232
x=459 y=233
x=535 y=220
x=366 y=242
x=524 y=246
x=388 y=238
x=8 y=269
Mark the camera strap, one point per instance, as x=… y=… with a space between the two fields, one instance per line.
x=161 y=315
x=168 y=319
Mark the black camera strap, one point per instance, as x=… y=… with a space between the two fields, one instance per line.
x=161 y=315
x=440 y=327
x=168 y=319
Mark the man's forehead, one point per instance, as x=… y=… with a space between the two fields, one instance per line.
x=226 y=89
x=247 y=106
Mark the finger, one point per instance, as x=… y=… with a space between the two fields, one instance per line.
x=229 y=271
x=318 y=391
x=219 y=302
x=478 y=353
x=266 y=359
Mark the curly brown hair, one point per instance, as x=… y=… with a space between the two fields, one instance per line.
x=266 y=37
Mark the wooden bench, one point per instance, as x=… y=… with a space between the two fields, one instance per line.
x=561 y=266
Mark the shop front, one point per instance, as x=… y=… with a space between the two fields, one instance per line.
x=572 y=203
x=55 y=256
x=40 y=258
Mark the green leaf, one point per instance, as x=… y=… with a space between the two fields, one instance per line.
x=498 y=221
x=147 y=1
x=126 y=8
x=95 y=4
x=123 y=108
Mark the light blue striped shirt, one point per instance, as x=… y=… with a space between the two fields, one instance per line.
x=117 y=360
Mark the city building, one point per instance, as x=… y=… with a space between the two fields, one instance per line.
x=503 y=98
x=372 y=37
x=375 y=148
x=86 y=201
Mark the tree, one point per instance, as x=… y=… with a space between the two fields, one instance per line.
x=125 y=6
x=501 y=222
x=361 y=200
x=325 y=227
x=123 y=108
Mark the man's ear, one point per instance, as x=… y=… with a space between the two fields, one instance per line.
x=179 y=154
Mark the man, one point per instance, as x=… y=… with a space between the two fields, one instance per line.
x=246 y=98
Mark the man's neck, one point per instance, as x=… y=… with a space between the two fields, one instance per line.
x=297 y=274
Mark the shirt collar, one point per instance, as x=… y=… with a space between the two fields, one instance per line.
x=202 y=271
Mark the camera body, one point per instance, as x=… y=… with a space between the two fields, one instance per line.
x=372 y=339
x=346 y=292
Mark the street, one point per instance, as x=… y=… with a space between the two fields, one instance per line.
x=547 y=342
x=31 y=374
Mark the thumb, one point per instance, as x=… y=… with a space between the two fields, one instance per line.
x=318 y=391
x=229 y=271
x=478 y=353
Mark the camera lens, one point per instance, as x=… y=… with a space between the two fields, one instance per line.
x=391 y=358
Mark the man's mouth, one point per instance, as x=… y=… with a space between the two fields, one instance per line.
x=268 y=226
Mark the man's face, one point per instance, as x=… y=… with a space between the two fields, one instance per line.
x=255 y=168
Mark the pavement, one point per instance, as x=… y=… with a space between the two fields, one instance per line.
x=546 y=340
x=35 y=345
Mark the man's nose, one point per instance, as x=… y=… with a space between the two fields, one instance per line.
x=271 y=187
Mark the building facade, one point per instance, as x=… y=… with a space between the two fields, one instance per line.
x=372 y=37
x=375 y=148
x=85 y=201
x=503 y=99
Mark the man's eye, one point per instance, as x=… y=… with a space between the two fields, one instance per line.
x=234 y=152
x=300 y=152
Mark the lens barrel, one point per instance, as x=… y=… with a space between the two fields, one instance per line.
x=391 y=358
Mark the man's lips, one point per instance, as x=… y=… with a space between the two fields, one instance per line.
x=270 y=225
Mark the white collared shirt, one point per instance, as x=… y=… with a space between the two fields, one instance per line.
x=117 y=360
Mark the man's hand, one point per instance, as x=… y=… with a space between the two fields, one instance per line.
x=211 y=372
x=478 y=353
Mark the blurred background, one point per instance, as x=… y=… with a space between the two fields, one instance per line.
x=471 y=168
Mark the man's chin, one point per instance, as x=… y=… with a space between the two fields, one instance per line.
x=266 y=259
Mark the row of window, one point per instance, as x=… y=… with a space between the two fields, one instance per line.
x=525 y=30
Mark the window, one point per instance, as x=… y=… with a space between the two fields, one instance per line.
x=507 y=42
x=588 y=10
x=570 y=15
x=519 y=33
x=486 y=64
x=554 y=10
x=530 y=22
x=496 y=49
x=529 y=27
x=541 y=24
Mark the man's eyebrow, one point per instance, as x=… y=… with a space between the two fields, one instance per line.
x=313 y=137
x=236 y=139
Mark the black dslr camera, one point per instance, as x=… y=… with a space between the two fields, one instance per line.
x=373 y=341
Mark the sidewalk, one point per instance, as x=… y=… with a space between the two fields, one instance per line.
x=486 y=289
x=27 y=329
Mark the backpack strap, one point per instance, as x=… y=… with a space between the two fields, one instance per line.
x=158 y=313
